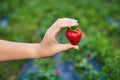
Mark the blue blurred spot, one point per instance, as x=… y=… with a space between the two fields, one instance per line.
x=4 y=23
x=113 y=22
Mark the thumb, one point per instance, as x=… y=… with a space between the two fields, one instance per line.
x=64 y=47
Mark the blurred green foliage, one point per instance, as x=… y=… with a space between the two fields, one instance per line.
x=98 y=19
x=10 y=70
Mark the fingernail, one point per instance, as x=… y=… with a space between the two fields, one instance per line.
x=75 y=20
x=74 y=24
x=76 y=47
x=77 y=24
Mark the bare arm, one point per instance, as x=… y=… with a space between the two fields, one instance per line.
x=14 y=51
x=48 y=47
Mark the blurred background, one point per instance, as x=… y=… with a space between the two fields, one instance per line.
x=99 y=54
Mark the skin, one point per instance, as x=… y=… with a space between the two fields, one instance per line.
x=48 y=46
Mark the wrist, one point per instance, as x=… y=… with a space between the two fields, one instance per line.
x=37 y=51
x=33 y=50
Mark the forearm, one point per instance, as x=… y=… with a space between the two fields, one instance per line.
x=48 y=46
x=17 y=51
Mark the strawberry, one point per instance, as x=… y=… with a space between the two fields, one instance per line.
x=88 y=54
x=74 y=35
x=57 y=72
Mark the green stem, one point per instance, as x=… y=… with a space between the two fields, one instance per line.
x=73 y=28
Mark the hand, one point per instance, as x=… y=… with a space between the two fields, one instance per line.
x=49 y=44
x=48 y=47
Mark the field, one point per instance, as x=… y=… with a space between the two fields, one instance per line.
x=99 y=20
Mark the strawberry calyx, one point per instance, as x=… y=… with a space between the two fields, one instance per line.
x=73 y=28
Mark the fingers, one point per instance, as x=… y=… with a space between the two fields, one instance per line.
x=61 y=23
x=65 y=22
x=76 y=47
x=68 y=20
x=68 y=46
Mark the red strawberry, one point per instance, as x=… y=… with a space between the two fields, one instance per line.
x=88 y=54
x=57 y=72
x=74 y=36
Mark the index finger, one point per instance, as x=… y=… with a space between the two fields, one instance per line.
x=62 y=23
x=66 y=20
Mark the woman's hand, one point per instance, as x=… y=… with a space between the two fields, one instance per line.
x=48 y=47
x=49 y=44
